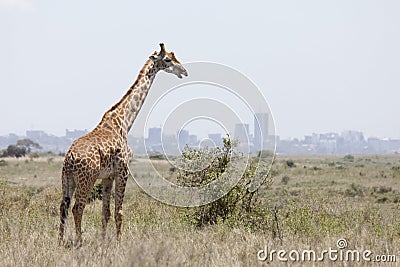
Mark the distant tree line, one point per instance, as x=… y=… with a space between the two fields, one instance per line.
x=21 y=149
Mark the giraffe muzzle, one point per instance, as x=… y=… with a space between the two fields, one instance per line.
x=182 y=71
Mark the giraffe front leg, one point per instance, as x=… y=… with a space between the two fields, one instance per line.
x=107 y=186
x=120 y=184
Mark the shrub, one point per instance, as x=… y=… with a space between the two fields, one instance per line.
x=157 y=156
x=14 y=151
x=20 y=149
x=236 y=203
x=354 y=190
x=290 y=163
x=97 y=192
x=382 y=199
x=349 y=158
x=265 y=154
x=382 y=189
x=385 y=194
x=396 y=168
x=34 y=155
x=285 y=180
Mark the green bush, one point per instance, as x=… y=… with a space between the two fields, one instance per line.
x=381 y=189
x=396 y=168
x=384 y=194
x=238 y=202
x=354 y=190
x=265 y=154
x=290 y=164
x=157 y=156
x=97 y=192
x=349 y=158
x=285 y=180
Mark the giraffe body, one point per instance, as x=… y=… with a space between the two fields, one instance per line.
x=104 y=153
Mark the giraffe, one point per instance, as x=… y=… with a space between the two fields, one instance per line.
x=104 y=153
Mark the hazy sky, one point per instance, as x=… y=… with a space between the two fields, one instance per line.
x=322 y=65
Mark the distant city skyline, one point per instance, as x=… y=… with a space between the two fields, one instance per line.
x=286 y=137
x=347 y=142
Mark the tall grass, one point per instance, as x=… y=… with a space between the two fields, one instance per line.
x=312 y=209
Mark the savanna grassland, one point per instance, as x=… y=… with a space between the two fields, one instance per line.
x=313 y=202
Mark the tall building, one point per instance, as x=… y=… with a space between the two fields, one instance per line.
x=260 y=131
x=242 y=133
x=216 y=138
x=353 y=136
x=154 y=136
x=183 y=138
x=36 y=134
x=193 y=140
x=75 y=134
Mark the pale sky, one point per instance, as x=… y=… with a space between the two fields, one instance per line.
x=322 y=65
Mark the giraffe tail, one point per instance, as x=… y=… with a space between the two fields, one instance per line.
x=68 y=188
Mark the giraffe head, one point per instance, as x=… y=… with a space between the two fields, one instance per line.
x=167 y=62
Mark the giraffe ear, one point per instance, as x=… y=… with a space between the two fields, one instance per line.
x=153 y=57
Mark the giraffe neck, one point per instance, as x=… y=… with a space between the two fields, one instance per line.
x=123 y=114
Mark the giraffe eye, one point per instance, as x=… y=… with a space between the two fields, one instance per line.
x=167 y=59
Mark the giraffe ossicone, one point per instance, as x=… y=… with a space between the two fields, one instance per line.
x=104 y=153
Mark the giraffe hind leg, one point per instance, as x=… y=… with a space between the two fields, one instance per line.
x=106 y=213
x=81 y=196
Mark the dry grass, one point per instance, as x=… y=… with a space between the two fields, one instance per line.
x=321 y=200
